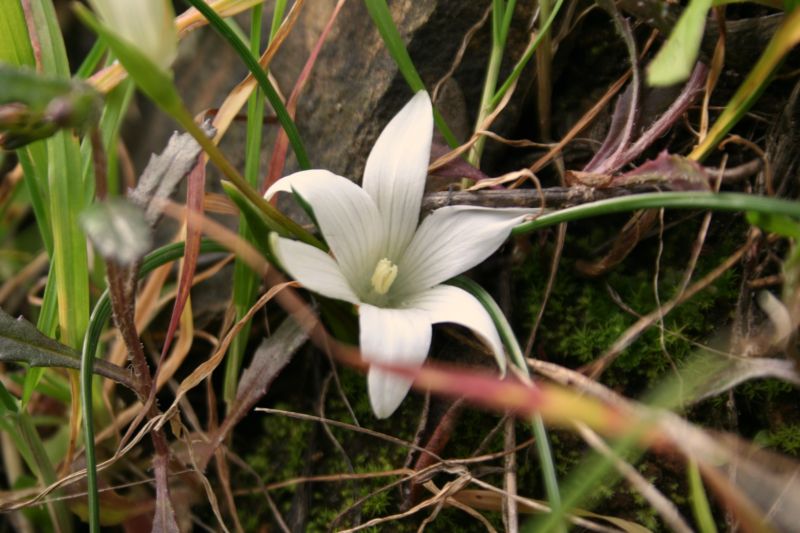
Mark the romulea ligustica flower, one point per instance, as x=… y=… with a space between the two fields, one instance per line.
x=385 y=261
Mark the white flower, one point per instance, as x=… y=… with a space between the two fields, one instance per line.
x=149 y=25
x=386 y=265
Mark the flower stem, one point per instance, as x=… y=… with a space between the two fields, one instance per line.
x=216 y=156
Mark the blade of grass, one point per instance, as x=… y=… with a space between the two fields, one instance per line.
x=33 y=159
x=92 y=60
x=245 y=282
x=258 y=73
x=512 y=345
x=278 y=157
x=700 y=505
x=526 y=56
x=724 y=201
x=47 y=324
x=382 y=18
x=786 y=37
x=65 y=193
x=65 y=189
x=501 y=20
x=15 y=44
x=238 y=96
x=43 y=468
x=256 y=221
x=544 y=70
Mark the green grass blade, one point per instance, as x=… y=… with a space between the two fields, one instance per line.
x=47 y=324
x=700 y=505
x=69 y=243
x=15 y=45
x=92 y=60
x=489 y=83
x=382 y=18
x=66 y=199
x=33 y=159
x=245 y=281
x=724 y=201
x=785 y=38
x=261 y=77
x=277 y=17
x=549 y=475
x=65 y=194
x=526 y=56
x=62 y=520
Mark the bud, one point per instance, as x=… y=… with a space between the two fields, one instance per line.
x=148 y=25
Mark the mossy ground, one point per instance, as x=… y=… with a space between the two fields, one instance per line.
x=582 y=319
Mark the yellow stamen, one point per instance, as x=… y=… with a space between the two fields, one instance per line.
x=384 y=275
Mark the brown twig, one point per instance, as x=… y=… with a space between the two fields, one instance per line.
x=551 y=197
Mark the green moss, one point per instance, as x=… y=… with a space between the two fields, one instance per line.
x=783 y=438
x=282 y=453
x=582 y=319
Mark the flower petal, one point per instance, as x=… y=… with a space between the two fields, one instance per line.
x=452 y=240
x=398 y=337
x=312 y=267
x=146 y=24
x=347 y=218
x=396 y=170
x=445 y=303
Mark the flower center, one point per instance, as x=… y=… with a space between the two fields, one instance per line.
x=384 y=275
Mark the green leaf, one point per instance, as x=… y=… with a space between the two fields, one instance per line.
x=118 y=230
x=780 y=224
x=549 y=475
x=676 y=59
x=15 y=45
x=724 y=201
x=785 y=38
x=526 y=56
x=245 y=281
x=21 y=342
x=700 y=505
x=382 y=18
x=7 y=401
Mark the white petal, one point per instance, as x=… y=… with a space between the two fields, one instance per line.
x=312 y=267
x=146 y=24
x=452 y=240
x=395 y=336
x=347 y=218
x=445 y=303
x=396 y=170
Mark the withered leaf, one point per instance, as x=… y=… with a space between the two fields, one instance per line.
x=21 y=342
x=164 y=171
